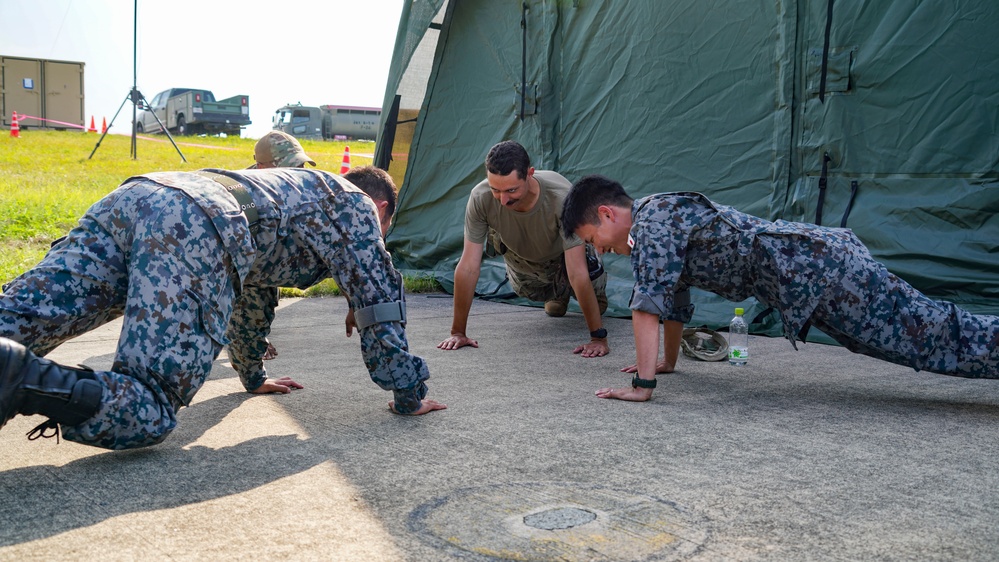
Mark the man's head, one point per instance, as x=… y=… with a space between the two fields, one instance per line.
x=279 y=150
x=598 y=210
x=380 y=187
x=509 y=172
x=508 y=156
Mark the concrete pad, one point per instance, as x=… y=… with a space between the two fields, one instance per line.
x=813 y=454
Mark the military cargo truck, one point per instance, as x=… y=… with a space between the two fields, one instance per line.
x=326 y=122
x=190 y=111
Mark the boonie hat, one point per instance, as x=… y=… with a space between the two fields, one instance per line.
x=703 y=343
x=280 y=150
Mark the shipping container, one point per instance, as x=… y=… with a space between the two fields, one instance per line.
x=48 y=93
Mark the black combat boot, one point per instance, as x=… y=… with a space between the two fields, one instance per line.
x=32 y=385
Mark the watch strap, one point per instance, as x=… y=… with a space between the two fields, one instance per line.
x=642 y=383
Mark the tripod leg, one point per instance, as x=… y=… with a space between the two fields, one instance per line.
x=109 y=126
x=165 y=131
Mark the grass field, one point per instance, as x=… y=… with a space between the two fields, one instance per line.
x=48 y=179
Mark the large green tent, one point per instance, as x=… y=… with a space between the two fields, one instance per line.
x=880 y=116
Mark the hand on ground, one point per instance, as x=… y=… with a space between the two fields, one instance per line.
x=282 y=385
x=594 y=348
x=627 y=393
x=454 y=342
x=271 y=352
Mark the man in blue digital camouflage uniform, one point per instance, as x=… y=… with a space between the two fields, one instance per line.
x=278 y=149
x=812 y=275
x=189 y=260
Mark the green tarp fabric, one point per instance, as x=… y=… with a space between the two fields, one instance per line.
x=722 y=97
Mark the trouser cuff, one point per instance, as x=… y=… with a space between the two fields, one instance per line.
x=408 y=400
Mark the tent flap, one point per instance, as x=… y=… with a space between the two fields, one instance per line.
x=722 y=97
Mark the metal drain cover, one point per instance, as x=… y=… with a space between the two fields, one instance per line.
x=559 y=521
x=559 y=518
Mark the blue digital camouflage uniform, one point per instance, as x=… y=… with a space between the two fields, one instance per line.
x=812 y=275
x=173 y=253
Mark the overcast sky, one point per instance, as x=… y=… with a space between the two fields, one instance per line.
x=310 y=51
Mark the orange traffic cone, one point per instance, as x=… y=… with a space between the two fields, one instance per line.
x=93 y=127
x=104 y=125
x=15 y=129
x=345 y=166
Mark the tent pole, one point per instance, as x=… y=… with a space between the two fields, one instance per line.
x=523 y=59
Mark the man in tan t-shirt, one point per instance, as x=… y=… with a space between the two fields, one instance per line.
x=518 y=210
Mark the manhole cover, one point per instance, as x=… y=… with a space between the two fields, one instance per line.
x=558 y=521
x=560 y=518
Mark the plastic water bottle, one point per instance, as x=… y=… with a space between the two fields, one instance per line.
x=738 y=340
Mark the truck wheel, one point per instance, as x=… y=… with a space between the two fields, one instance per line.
x=181 y=126
x=138 y=128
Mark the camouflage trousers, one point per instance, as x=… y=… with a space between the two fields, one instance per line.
x=148 y=254
x=897 y=323
x=545 y=282
x=542 y=282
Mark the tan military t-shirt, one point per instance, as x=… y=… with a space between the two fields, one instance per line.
x=535 y=235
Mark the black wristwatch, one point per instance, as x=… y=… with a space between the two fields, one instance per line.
x=642 y=383
x=599 y=333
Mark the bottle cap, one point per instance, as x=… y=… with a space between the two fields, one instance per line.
x=739 y=312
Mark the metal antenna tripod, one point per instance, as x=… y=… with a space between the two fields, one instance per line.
x=135 y=96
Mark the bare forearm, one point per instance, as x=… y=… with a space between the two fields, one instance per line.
x=464 y=291
x=672 y=333
x=587 y=299
x=646 y=328
x=579 y=279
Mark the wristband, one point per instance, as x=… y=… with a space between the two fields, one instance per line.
x=642 y=383
x=599 y=333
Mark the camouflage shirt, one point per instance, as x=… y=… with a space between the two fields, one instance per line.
x=312 y=226
x=812 y=275
x=684 y=240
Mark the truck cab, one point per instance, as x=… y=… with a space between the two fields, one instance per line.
x=327 y=121
x=299 y=121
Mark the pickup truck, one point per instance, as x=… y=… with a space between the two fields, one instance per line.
x=189 y=111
